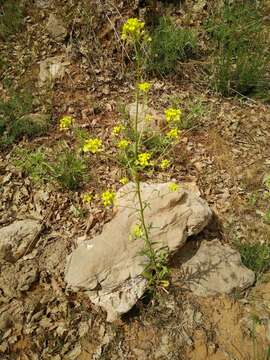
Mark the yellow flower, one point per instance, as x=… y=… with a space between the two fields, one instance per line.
x=173 y=187
x=172 y=114
x=173 y=134
x=144 y=87
x=124 y=180
x=65 y=122
x=165 y=164
x=108 y=197
x=144 y=159
x=87 y=198
x=137 y=232
x=164 y=283
x=132 y=30
x=92 y=145
x=117 y=130
x=148 y=117
x=123 y=144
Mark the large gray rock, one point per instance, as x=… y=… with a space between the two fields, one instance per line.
x=217 y=269
x=110 y=265
x=16 y=238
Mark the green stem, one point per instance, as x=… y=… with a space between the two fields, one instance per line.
x=146 y=233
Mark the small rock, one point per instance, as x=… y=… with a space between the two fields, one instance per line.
x=217 y=269
x=148 y=118
x=51 y=69
x=15 y=238
x=56 y=28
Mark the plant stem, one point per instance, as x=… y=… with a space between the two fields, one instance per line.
x=146 y=233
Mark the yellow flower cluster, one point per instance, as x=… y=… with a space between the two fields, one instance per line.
x=172 y=114
x=124 y=181
x=92 y=145
x=144 y=159
x=165 y=163
x=173 y=187
x=148 y=117
x=123 y=144
x=144 y=87
x=173 y=134
x=117 y=130
x=87 y=198
x=137 y=232
x=108 y=197
x=132 y=30
x=65 y=122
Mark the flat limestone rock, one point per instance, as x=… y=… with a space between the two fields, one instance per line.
x=16 y=237
x=110 y=265
x=217 y=269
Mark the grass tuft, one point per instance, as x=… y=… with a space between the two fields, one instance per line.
x=169 y=45
x=255 y=257
x=242 y=57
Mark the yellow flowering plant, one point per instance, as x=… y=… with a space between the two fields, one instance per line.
x=65 y=122
x=144 y=159
x=123 y=144
x=137 y=231
x=87 y=198
x=136 y=154
x=144 y=87
x=124 y=181
x=133 y=30
x=108 y=197
x=92 y=145
x=173 y=134
x=172 y=115
x=173 y=187
x=116 y=131
x=165 y=163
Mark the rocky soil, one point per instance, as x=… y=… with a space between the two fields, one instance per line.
x=82 y=70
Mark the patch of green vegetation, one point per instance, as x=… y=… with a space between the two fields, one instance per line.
x=11 y=17
x=15 y=120
x=255 y=257
x=169 y=45
x=267 y=216
x=68 y=168
x=242 y=56
x=33 y=163
x=194 y=110
x=155 y=143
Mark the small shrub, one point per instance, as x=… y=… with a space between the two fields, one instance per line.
x=69 y=170
x=11 y=18
x=255 y=257
x=170 y=44
x=242 y=49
